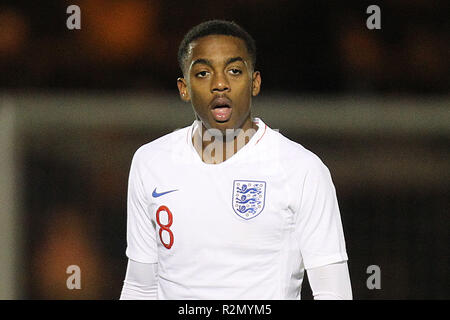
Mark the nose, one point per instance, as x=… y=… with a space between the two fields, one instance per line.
x=220 y=83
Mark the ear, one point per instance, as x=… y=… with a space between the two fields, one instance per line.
x=256 y=83
x=183 y=89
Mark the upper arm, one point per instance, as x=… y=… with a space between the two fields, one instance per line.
x=318 y=221
x=141 y=232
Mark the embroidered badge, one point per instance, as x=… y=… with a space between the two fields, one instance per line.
x=248 y=198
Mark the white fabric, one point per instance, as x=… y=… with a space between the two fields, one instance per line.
x=330 y=282
x=141 y=281
x=218 y=252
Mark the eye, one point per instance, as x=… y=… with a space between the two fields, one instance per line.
x=235 y=71
x=201 y=74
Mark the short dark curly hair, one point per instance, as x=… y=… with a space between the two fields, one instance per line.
x=215 y=27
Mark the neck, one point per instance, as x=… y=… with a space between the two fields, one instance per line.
x=216 y=146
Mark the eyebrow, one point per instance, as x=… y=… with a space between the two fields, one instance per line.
x=209 y=63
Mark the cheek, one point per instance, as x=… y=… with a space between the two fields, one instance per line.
x=199 y=102
x=245 y=88
x=197 y=99
x=245 y=97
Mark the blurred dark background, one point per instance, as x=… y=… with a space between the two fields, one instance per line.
x=303 y=46
x=392 y=184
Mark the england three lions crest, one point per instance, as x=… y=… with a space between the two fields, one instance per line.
x=248 y=198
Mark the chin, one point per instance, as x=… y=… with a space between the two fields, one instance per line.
x=221 y=126
x=224 y=125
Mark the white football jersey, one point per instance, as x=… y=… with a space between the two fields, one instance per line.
x=246 y=228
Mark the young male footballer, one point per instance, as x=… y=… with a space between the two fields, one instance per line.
x=229 y=208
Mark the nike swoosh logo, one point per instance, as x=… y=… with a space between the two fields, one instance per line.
x=156 y=194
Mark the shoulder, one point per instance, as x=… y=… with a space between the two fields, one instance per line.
x=161 y=146
x=293 y=155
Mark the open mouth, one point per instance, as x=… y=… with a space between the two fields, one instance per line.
x=222 y=113
x=221 y=109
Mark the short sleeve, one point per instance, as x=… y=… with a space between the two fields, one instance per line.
x=141 y=233
x=318 y=221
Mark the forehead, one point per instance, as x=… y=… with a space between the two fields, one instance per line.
x=217 y=47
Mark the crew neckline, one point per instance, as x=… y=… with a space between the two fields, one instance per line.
x=262 y=127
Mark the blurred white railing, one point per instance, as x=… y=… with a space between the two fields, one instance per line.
x=321 y=114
